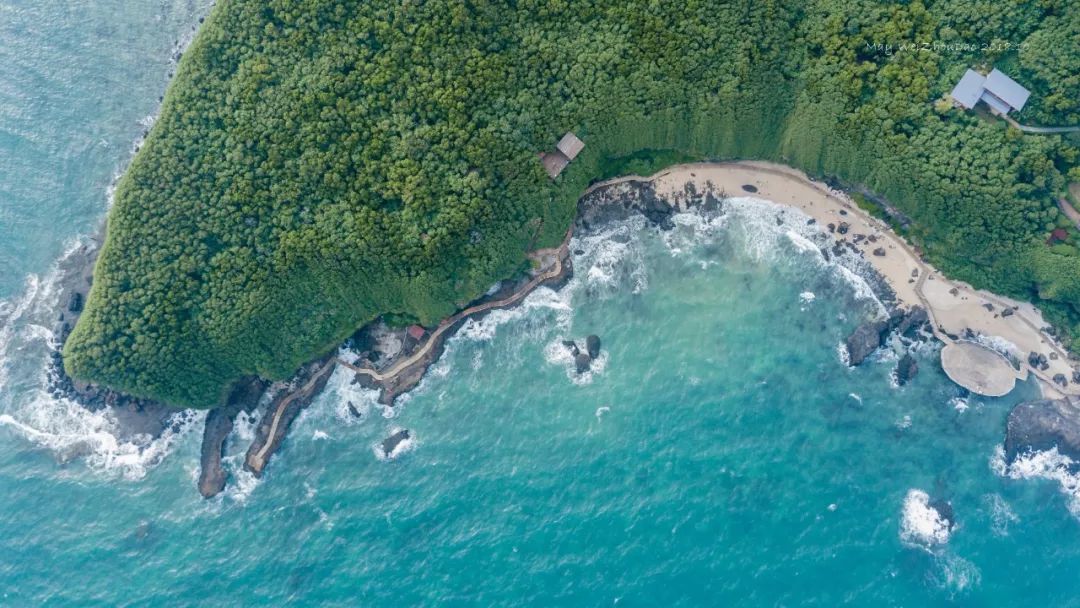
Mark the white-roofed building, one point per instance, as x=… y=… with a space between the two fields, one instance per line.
x=1001 y=93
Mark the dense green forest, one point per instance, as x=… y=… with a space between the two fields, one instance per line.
x=318 y=163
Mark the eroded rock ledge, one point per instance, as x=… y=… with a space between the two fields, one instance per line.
x=1043 y=425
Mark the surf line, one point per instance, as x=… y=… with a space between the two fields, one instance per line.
x=386 y=379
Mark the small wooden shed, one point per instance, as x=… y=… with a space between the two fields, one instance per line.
x=565 y=151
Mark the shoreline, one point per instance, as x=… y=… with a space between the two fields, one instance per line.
x=395 y=362
x=958 y=312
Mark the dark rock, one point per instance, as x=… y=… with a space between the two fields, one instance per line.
x=872 y=238
x=832 y=227
x=906 y=369
x=1076 y=376
x=1053 y=356
x=945 y=511
x=75 y=304
x=843 y=228
x=811 y=222
x=219 y=423
x=1042 y=425
x=1006 y=312
x=880 y=252
x=912 y=321
x=572 y=347
x=953 y=291
x=393 y=441
x=355 y=412
x=749 y=188
x=1061 y=380
x=988 y=306
x=592 y=345
x=865 y=340
x=1033 y=359
x=582 y=361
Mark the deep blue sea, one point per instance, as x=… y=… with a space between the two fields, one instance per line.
x=719 y=453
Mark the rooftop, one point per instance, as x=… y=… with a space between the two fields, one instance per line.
x=570 y=145
x=996 y=90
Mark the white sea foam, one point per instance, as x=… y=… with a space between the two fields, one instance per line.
x=956 y=573
x=807 y=297
x=341 y=391
x=960 y=404
x=843 y=354
x=319 y=435
x=1049 y=464
x=921 y=525
x=405 y=445
x=1001 y=514
x=59 y=424
x=69 y=431
x=999 y=345
x=555 y=353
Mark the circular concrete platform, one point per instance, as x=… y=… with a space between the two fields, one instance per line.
x=978 y=369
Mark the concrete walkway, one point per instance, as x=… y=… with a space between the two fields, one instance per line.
x=1041 y=130
x=557 y=253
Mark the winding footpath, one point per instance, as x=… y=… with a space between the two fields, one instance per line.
x=558 y=253
x=1041 y=130
x=258 y=461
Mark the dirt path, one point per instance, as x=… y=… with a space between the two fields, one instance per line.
x=558 y=253
x=258 y=460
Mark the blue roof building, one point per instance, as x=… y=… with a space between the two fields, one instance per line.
x=1001 y=93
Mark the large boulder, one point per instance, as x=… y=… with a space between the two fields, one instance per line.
x=582 y=362
x=865 y=340
x=392 y=442
x=1041 y=425
x=592 y=345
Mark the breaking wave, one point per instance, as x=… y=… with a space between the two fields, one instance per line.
x=1049 y=464
x=921 y=525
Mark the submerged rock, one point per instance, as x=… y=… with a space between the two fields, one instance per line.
x=572 y=347
x=906 y=369
x=1042 y=425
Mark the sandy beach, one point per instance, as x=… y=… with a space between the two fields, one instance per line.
x=953 y=306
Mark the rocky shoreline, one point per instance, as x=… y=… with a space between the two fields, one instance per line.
x=380 y=348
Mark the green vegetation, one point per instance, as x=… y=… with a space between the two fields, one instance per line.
x=318 y=163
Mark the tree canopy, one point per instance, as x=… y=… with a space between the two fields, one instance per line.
x=318 y=163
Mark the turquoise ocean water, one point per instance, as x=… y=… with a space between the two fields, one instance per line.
x=720 y=453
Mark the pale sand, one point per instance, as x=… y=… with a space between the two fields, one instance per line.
x=949 y=313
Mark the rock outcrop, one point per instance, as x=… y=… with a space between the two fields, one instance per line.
x=392 y=442
x=906 y=369
x=592 y=345
x=1042 y=425
x=865 y=340
x=219 y=423
x=869 y=336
